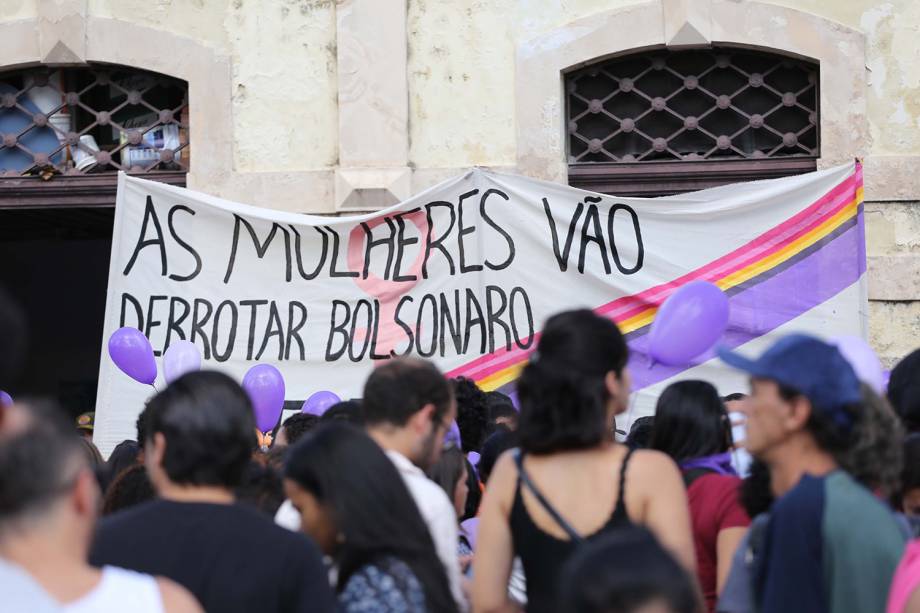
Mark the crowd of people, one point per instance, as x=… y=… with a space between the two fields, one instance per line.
x=430 y=495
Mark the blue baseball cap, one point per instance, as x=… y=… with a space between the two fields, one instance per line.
x=808 y=365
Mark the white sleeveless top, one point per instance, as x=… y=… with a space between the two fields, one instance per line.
x=120 y=590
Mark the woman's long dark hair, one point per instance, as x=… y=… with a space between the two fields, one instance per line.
x=348 y=473
x=448 y=470
x=691 y=422
x=562 y=390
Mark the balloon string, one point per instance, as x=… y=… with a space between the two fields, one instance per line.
x=154 y=386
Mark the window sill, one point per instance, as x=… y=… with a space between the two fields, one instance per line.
x=78 y=191
x=667 y=178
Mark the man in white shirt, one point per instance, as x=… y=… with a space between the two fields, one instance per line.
x=408 y=408
x=48 y=505
x=22 y=593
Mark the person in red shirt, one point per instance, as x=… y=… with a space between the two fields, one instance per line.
x=692 y=426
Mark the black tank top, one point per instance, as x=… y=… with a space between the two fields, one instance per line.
x=541 y=553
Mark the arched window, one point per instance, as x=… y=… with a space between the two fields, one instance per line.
x=665 y=121
x=65 y=132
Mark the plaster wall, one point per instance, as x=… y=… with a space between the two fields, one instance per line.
x=283 y=93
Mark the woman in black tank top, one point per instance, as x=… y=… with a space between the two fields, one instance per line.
x=542 y=553
x=571 y=390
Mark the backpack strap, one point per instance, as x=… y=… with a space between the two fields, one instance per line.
x=621 y=490
x=529 y=484
x=619 y=511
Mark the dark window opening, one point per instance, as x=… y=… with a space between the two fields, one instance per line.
x=55 y=264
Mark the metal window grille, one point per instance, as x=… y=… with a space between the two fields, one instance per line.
x=90 y=121
x=690 y=106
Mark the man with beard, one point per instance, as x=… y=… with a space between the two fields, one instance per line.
x=408 y=408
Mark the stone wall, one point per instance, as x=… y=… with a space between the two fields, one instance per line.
x=334 y=105
x=892 y=245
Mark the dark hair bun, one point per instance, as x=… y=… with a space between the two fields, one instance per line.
x=562 y=390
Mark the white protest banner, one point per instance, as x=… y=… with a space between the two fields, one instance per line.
x=466 y=273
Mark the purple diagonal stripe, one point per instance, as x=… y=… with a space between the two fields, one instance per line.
x=763 y=307
x=769 y=300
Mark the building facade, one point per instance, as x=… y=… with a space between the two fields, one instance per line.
x=327 y=106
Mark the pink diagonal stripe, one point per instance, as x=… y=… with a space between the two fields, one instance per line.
x=773 y=240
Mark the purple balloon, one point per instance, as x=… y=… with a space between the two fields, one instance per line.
x=132 y=353
x=863 y=360
x=474 y=458
x=514 y=401
x=180 y=357
x=688 y=324
x=5 y=400
x=470 y=529
x=453 y=435
x=265 y=387
x=319 y=402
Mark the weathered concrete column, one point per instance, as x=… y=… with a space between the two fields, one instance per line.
x=373 y=88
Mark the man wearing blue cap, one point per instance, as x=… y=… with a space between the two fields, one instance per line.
x=830 y=545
